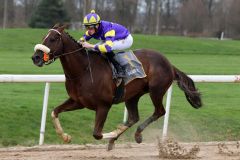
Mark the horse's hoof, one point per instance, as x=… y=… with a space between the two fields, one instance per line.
x=111 y=144
x=138 y=137
x=66 y=138
x=97 y=136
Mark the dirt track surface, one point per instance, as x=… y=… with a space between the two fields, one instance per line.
x=208 y=151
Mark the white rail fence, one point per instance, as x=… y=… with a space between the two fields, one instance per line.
x=6 y=78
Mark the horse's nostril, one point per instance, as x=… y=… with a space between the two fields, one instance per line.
x=36 y=58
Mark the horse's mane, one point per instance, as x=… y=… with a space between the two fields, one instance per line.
x=75 y=41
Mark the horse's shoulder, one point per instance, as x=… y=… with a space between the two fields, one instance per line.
x=92 y=52
x=97 y=55
x=99 y=59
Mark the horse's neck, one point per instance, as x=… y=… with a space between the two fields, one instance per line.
x=73 y=64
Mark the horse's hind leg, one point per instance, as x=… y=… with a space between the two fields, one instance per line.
x=68 y=105
x=159 y=111
x=133 y=117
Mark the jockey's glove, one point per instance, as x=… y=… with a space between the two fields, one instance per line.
x=81 y=40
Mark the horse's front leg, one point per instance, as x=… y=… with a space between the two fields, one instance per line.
x=101 y=115
x=68 y=105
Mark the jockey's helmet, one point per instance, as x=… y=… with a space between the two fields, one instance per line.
x=91 y=19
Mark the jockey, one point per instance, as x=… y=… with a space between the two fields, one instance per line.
x=113 y=37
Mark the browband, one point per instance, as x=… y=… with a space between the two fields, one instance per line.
x=54 y=31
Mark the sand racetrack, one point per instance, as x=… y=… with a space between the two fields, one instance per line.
x=128 y=151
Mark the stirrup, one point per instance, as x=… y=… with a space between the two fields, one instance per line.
x=121 y=74
x=118 y=81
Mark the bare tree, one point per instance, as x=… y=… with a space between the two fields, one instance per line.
x=72 y=6
x=168 y=13
x=219 y=17
x=142 y=16
x=125 y=12
x=8 y=13
x=209 y=5
x=87 y=6
x=29 y=7
x=98 y=3
x=5 y=14
x=158 y=12
x=148 y=17
x=233 y=21
x=192 y=16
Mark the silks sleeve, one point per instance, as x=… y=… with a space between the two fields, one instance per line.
x=86 y=37
x=107 y=46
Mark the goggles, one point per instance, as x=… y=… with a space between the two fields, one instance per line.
x=90 y=27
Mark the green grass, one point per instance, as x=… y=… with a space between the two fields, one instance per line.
x=21 y=104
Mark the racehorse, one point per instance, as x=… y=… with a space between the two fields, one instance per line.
x=89 y=83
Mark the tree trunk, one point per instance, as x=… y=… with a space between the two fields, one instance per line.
x=158 y=8
x=168 y=16
x=147 y=20
x=134 y=17
x=87 y=7
x=5 y=14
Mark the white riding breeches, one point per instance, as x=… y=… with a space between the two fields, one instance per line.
x=123 y=43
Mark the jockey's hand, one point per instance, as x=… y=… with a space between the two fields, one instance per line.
x=81 y=40
x=87 y=45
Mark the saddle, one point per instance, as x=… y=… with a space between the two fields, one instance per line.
x=133 y=69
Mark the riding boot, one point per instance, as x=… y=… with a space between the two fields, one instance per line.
x=119 y=68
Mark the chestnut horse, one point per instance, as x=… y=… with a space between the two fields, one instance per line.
x=89 y=83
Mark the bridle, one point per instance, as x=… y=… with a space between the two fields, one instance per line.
x=67 y=53
x=48 y=52
x=64 y=54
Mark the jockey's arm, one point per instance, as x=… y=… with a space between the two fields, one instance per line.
x=85 y=37
x=88 y=45
x=103 y=48
x=107 y=46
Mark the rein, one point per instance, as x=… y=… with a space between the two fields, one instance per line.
x=67 y=53
x=64 y=54
x=46 y=51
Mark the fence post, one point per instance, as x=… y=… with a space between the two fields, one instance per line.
x=44 y=113
x=166 y=117
x=125 y=116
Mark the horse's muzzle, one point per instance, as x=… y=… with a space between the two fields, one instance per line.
x=37 y=60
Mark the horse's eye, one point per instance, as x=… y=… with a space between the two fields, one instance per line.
x=52 y=39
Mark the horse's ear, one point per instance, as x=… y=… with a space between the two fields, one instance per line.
x=56 y=25
x=61 y=29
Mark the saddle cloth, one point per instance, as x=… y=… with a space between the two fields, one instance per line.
x=131 y=64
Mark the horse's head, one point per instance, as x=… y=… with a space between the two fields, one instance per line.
x=51 y=48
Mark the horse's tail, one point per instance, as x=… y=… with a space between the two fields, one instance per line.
x=186 y=84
